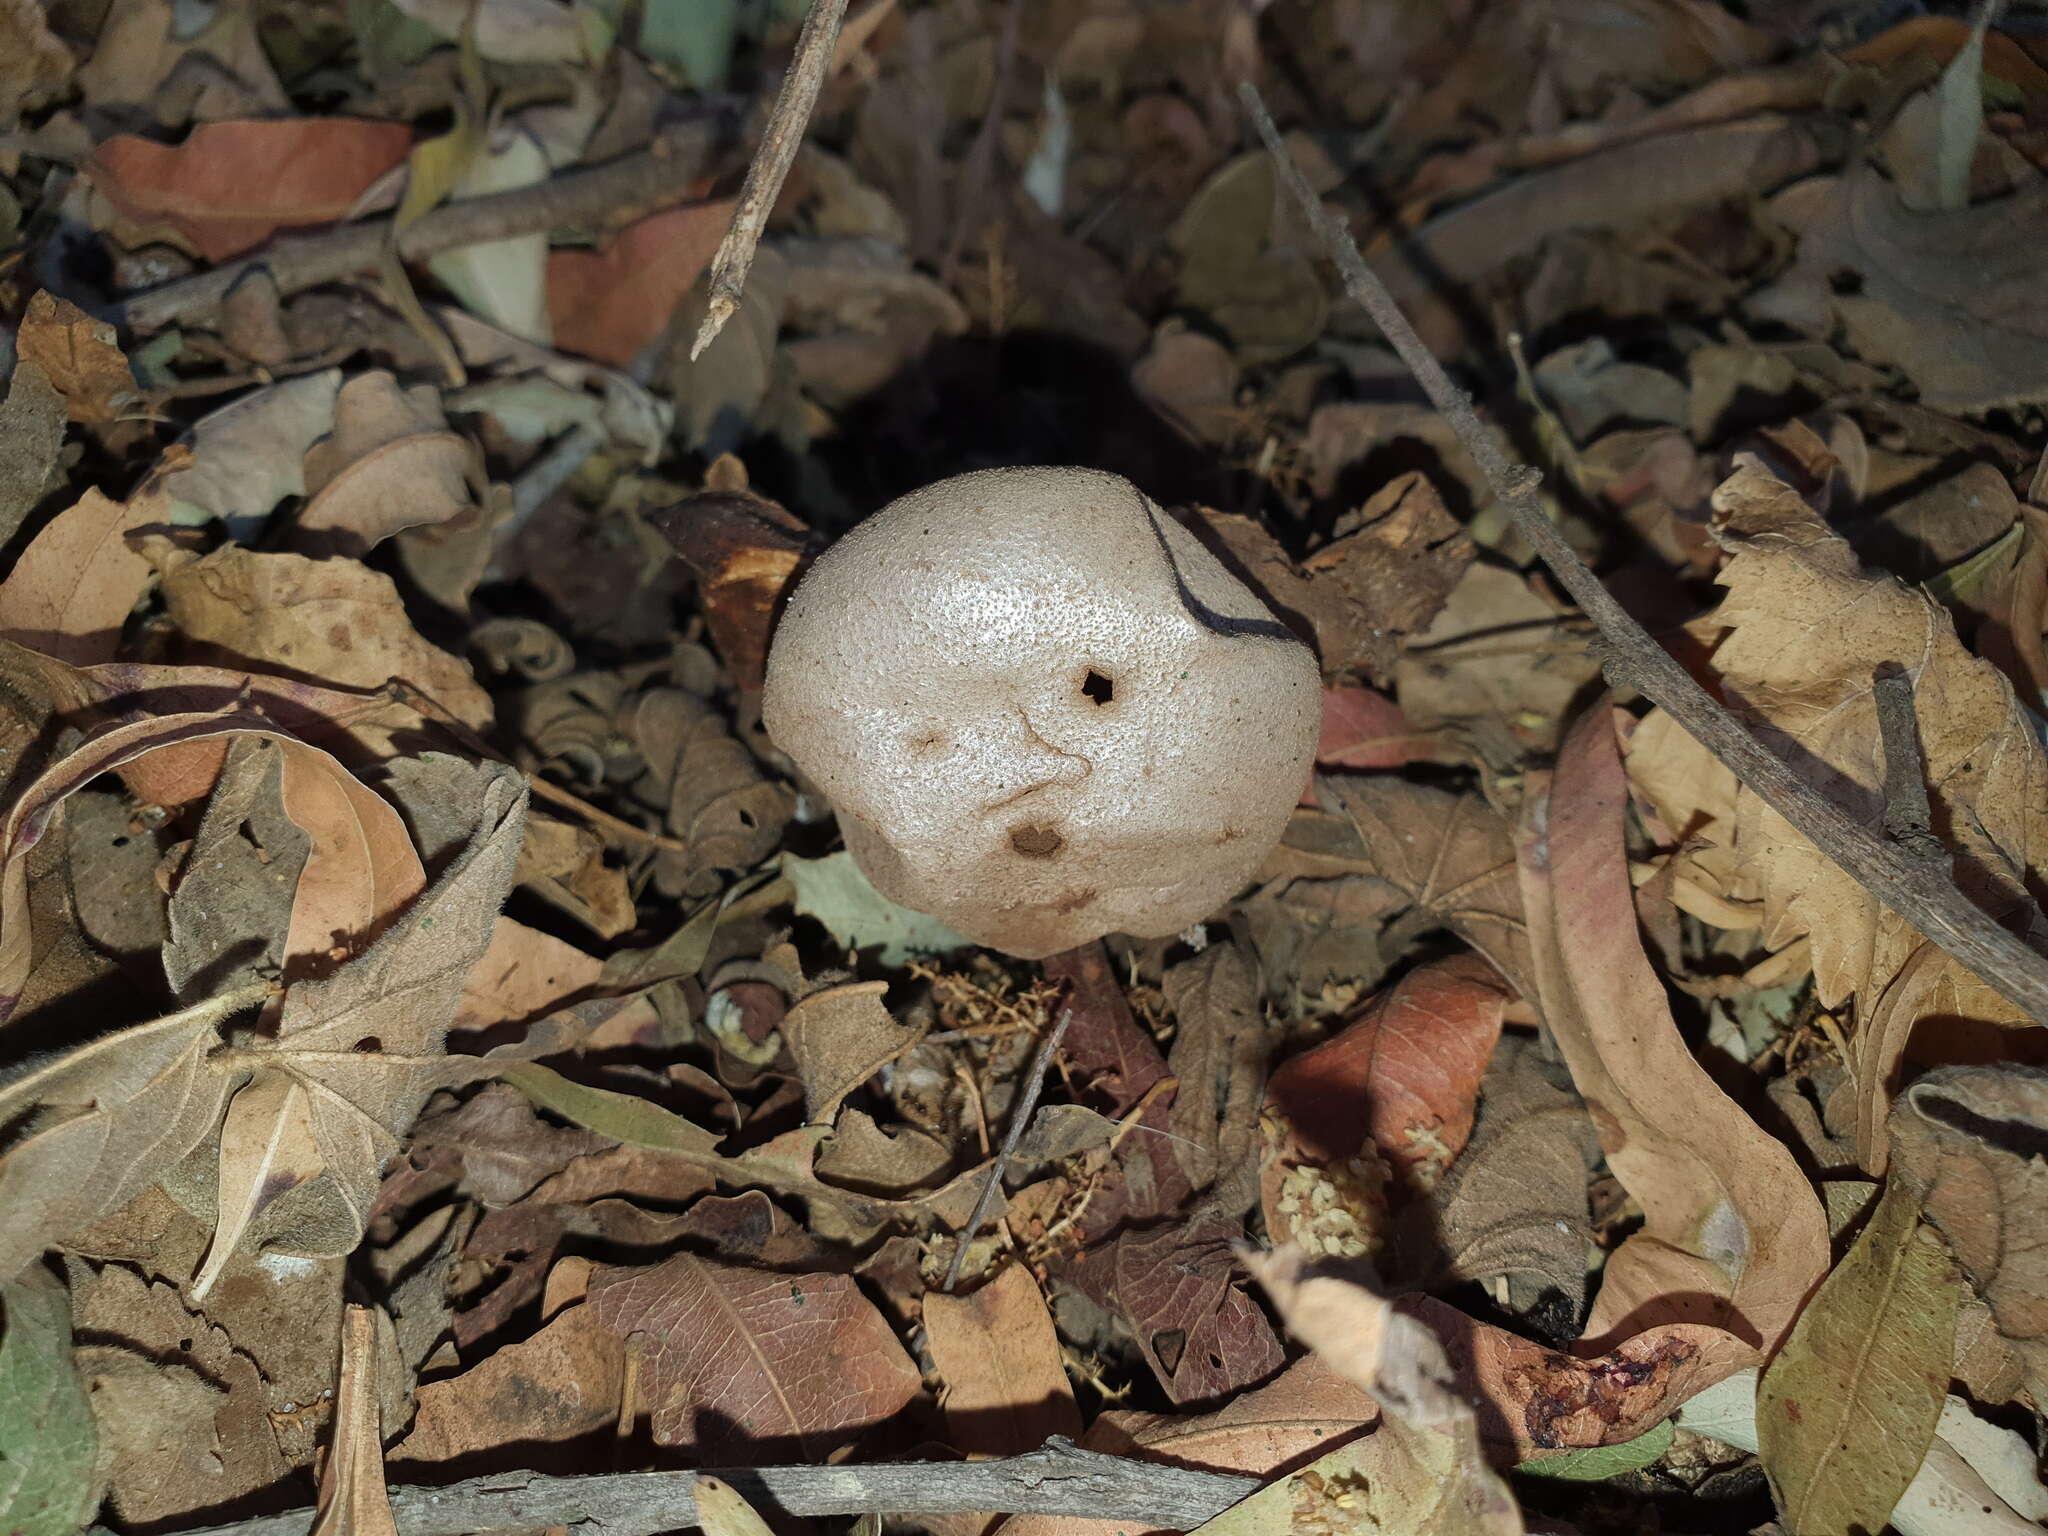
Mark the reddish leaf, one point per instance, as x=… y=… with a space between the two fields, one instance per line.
x=1363 y=728
x=610 y=302
x=1405 y=1072
x=740 y=1355
x=230 y=185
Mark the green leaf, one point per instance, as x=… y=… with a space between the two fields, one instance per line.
x=837 y=894
x=1847 y=1411
x=47 y=1437
x=1597 y=1463
x=622 y=1116
x=693 y=37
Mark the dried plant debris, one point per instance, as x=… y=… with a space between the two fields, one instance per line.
x=536 y=938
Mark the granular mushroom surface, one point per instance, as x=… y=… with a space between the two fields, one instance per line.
x=1042 y=710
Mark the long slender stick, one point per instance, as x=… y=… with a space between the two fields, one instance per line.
x=1923 y=897
x=1056 y=1479
x=770 y=166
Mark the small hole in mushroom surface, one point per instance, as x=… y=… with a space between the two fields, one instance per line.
x=1098 y=687
x=1036 y=842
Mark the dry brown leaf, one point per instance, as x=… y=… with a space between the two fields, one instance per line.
x=719 y=802
x=1380 y=581
x=997 y=1353
x=523 y=974
x=1953 y=298
x=148 y=58
x=81 y=358
x=1966 y=1140
x=1365 y=729
x=352 y=1057
x=564 y=1381
x=1220 y=1047
x=841 y=1037
x=331 y=621
x=1804 y=630
x=243 y=459
x=734 y=1357
x=499 y=1147
x=388 y=464
x=1442 y=860
x=229 y=186
x=610 y=302
x=31 y=440
x=74 y=586
x=1733 y=1234
x=1178 y=1289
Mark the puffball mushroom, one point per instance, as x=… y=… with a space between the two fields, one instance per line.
x=1042 y=710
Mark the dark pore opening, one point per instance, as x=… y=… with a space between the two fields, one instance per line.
x=1098 y=687
x=1035 y=841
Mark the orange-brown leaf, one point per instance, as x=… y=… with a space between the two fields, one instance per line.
x=610 y=302
x=230 y=185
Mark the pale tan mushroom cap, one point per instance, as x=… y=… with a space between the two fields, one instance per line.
x=1043 y=711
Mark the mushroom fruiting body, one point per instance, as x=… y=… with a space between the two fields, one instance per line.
x=1042 y=710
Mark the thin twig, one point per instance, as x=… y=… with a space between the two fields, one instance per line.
x=612 y=193
x=1056 y=1479
x=1929 y=902
x=770 y=166
x=1020 y=1116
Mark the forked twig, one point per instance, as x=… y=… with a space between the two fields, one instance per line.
x=770 y=166
x=1924 y=897
x=1020 y=1116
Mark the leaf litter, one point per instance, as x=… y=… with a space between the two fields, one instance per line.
x=442 y=1030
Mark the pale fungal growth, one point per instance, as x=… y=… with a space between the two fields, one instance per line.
x=1042 y=710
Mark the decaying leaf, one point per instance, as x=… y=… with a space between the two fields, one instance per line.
x=744 y=551
x=74 y=586
x=81 y=358
x=733 y=1356
x=1846 y=1412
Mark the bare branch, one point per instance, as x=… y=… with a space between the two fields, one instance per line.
x=1056 y=1479
x=770 y=166
x=1020 y=1116
x=613 y=193
x=1923 y=897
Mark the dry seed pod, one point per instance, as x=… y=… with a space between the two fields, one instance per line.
x=1043 y=711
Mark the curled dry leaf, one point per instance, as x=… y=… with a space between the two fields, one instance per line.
x=997 y=1353
x=1965 y=1140
x=841 y=1037
x=564 y=1381
x=719 y=803
x=1803 y=632
x=240 y=461
x=1733 y=1234
x=388 y=463
x=1423 y=1471
x=744 y=551
x=229 y=186
x=733 y=1356
x=1380 y=581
